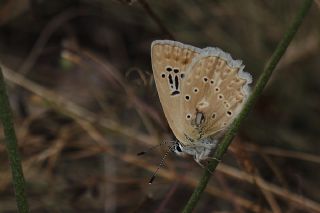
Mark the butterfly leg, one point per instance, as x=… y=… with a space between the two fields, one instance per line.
x=201 y=164
x=213 y=158
x=204 y=166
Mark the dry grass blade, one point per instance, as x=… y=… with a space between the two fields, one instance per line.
x=71 y=109
x=297 y=200
x=284 y=153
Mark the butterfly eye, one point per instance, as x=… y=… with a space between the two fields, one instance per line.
x=178 y=148
x=217 y=89
x=205 y=79
x=229 y=113
x=195 y=90
x=212 y=81
x=175 y=70
x=187 y=97
x=163 y=75
x=220 y=97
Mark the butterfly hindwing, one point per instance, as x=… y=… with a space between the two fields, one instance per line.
x=213 y=93
x=170 y=60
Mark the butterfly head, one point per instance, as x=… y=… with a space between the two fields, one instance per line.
x=200 y=150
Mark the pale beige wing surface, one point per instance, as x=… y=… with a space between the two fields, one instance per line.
x=214 y=92
x=169 y=62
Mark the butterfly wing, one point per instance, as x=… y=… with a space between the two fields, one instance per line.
x=170 y=60
x=213 y=94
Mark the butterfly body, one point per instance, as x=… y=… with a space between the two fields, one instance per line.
x=201 y=91
x=200 y=151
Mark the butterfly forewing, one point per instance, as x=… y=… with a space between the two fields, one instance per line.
x=213 y=93
x=170 y=60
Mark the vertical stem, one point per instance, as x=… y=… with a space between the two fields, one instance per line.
x=261 y=83
x=6 y=119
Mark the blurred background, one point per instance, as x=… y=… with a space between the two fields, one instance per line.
x=80 y=84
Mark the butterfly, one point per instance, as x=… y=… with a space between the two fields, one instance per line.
x=201 y=92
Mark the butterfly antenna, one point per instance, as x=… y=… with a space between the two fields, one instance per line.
x=148 y=150
x=152 y=148
x=160 y=165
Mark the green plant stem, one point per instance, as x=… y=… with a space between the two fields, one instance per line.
x=6 y=119
x=261 y=83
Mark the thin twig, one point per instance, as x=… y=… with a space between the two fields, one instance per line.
x=155 y=18
x=6 y=119
x=249 y=166
x=81 y=57
x=261 y=83
x=167 y=198
x=45 y=35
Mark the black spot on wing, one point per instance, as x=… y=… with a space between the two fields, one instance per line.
x=176 y=81
x=170 y=79
x=175 y=93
